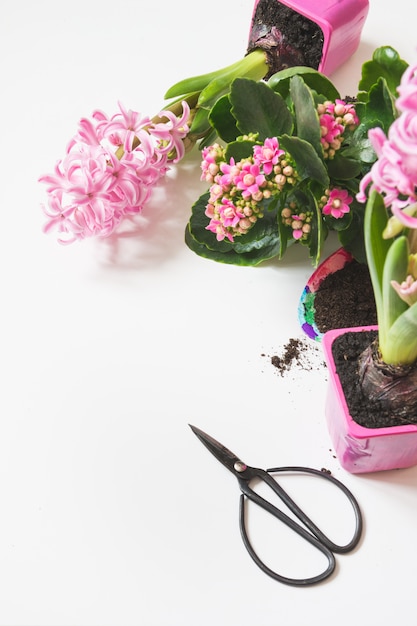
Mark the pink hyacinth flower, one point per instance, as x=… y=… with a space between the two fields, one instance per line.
x=407 y=100
x=172 y=132
x=94 y=187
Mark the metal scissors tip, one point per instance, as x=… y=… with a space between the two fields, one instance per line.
x=222 y=454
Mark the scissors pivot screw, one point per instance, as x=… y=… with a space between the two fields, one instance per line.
x=240 y=467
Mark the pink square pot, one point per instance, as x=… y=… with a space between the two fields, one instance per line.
x=341 y=22
x=360 y=449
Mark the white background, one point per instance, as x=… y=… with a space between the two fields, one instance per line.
x=111 y=511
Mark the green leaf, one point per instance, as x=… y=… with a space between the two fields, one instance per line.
x=232 y=257
x=258 y=109
x=253 y=65
x=376 y=217
x=401 y=340
x=263 y=234
x=200 y=124
x=208 y=139
x=318 y=235
x=343 y=168
x=308 y=163
x=339 y=224
x=308 y=124
x=395 y=268
x=280 y=82
x=380 y=105
x=360 y=147
x=239 y=150
x=223 y=121
x=385 y=63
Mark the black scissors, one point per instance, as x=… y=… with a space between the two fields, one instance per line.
x=309 y=531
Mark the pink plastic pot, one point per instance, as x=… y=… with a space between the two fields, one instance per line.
x=341 y=22
x=360 y=449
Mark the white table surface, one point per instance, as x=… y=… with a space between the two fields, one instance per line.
x=111 y=511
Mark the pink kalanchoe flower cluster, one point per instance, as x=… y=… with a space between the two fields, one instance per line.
x=335 y=117
x=237 y=189
x=394 y=173
x=336 y=203
x=109 y=169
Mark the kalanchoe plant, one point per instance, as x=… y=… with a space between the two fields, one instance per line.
x=289 y=162
x=388 y=368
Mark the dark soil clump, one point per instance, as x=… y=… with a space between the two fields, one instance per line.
x=289 y=39
x=345 y=299
x=295 y=353
x=291 y=353
x=347 y=349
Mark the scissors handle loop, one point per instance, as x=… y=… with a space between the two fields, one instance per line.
x=296 y=582
x=310 y=532
x=306 y=520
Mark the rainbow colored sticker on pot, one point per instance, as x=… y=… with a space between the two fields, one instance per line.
x=306 y=310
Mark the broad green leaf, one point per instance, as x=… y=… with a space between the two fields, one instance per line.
x=263 y=234
x=360 y=147
x=280 y=82
x=232 y=257
x=258 y=109
x=308 y=163
x=307 y=119
x=380 y=105
x=239 y=150
x=385 y=63
x=340 y=223
x=343 y=168
x=223 y=121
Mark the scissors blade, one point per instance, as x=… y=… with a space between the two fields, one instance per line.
x=222 y=454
